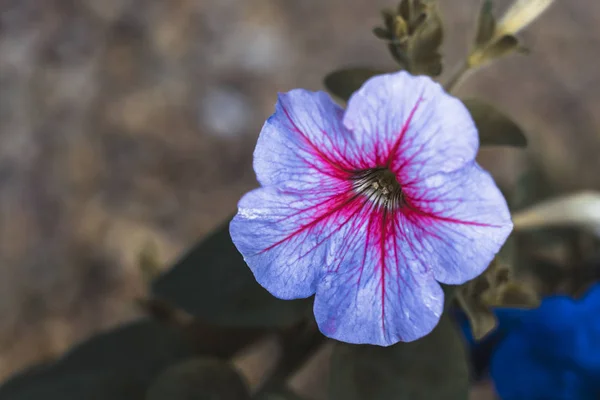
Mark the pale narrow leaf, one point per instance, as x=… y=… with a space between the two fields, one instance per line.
x=521 y=14
x=580 y=209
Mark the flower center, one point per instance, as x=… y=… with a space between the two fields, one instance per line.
x=380 y=186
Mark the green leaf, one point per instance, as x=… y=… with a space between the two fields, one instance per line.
x=429 y=35
x=24 y=379
x=412 y=11
x=398 y=52
x=200 y=378
x=92 y=385
x=425 y=44
x=481 y=318
x=213 y=283
x=406 y=9
x=206 y=339
x=388 y=17
x=434 y=367
x=504 y=45
x=220 y=342
x=430 y=65
x=450 y=292
x=144 y=348
x=486 y=24
x=382 y=33
x=495 y=128
x=344 y=82
x=498 y=286
x=138 y=351
x=121 y=363
x=283 y=394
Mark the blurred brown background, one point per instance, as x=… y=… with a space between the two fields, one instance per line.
x=130 y=122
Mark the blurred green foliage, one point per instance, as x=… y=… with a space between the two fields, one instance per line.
x=213 y=283
x=434 y=367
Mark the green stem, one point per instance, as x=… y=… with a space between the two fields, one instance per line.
x=457 y=77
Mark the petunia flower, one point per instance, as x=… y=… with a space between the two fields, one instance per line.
x=371 y=207
x=553 y=353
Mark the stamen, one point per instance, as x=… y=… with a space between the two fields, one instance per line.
x=380 y=186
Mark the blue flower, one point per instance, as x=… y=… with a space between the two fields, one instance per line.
x=370 y=207
x=553 y=353
x=481 y=350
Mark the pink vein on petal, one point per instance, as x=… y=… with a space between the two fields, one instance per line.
x=340 y=168
x=406 y=126
x=340 y=171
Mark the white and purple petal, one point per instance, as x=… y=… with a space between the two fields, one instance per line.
x=283 y=237
x=377 y=289
x=460 y=219
x=321 y=223
x=410 y=125
x=304 y=143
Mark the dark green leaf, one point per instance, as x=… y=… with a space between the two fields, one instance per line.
x=127 y=359
x=213 y=283
x=405 y=9
x=481 y=318
x=486 y=25
x=388 y=17
x=495 y=129
x=418 y=20
x=25 y=379
x=398 y=52
x=425 y=44
x=88 y=385
x=218 y=341
x=140 y=351
x=143 y=348
x=284 y=394
x=434 y=367
x=430 y=66
x=430 y=35
x=412 y=11
x=199 y=379
x=344 y=82
x=382 y=33
x=495 y=287
x=206 y=339
x=450 y=292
